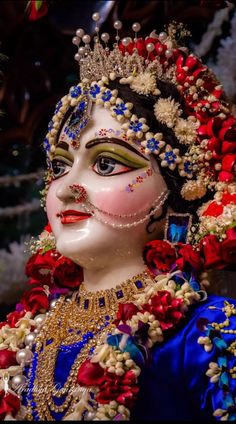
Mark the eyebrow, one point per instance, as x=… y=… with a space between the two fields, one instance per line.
x=113 y=140
x=63 y=145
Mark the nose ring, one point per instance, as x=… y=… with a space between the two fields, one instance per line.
x=78 y=192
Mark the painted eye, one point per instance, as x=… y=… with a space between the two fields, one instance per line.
x=109 y=166
x=59 y=168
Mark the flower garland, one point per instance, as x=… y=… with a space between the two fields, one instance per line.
x=117 y=363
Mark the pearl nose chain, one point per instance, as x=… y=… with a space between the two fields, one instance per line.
x=81 y=196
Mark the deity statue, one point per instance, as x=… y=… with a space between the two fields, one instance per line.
x=141 y=202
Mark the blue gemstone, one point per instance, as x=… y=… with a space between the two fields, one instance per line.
x=107 y=317
x=119 y=294
x=86 y=303
x=78 y=332
x=101 y=302
x=70 y=330
x=138 y=284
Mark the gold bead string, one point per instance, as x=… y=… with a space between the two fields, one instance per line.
x=69 y=314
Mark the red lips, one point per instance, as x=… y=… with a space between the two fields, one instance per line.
x=70 y=216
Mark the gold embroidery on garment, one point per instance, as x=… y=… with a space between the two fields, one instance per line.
x=65 y=325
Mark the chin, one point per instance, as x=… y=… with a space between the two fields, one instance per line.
x=84 y=252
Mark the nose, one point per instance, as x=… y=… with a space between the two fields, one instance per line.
x=69 y=191
x=63 y=192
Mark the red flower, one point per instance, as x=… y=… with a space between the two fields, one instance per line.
x=211 y=250
x=228 y=247
x=216 y=209
x=90 y=374
x=188 y=69
x=122 y=389
x=189 y=256
x=39 y=267
x=35 y=299
x=37 y=9
x=125 y=312
x=14 y=317
x=2 y=324
x=166 y=309
x=159 y=255
x=7 y=358
x=48 y=228
x=9 y=404
x=67 y=273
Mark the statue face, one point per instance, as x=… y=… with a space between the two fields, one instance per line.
x=116 y=180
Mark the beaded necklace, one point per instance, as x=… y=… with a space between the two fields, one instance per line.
x=83 y=320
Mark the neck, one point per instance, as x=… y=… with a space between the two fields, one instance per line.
x=112 y=274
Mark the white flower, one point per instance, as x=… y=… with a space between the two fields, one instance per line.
x=145 y=83
x=170 y=157
x=186 y=169
x=167 y=111
x=193 y=190
x=153 y=143
x=213 y=372
x=185 y=131
x=106 y=97
x=135 y=127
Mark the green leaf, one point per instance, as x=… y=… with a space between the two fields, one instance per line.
x=38 y=4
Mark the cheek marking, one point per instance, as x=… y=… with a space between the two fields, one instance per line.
x=138 y=180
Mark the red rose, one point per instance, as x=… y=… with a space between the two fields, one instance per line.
x=211 y=250
x=166 y=309
x=122 y=389
x=39 y=267
x=90 y=374
x=9 y=404
x=7 y=358
x=159 y=255
x=125 y=312
x=189 y=256
x=14 y=317
x=228 y=247
x=67 y=273
x=35 y=299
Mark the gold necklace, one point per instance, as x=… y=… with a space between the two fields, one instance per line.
x=83 y=320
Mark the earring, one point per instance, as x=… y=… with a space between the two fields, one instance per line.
x=78 y=192
x=177 y=227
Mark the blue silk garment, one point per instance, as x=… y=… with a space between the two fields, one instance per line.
x=174 y=385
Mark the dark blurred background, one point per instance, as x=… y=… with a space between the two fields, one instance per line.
x=37 y=68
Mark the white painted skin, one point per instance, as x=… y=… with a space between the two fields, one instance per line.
x=108 y=255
